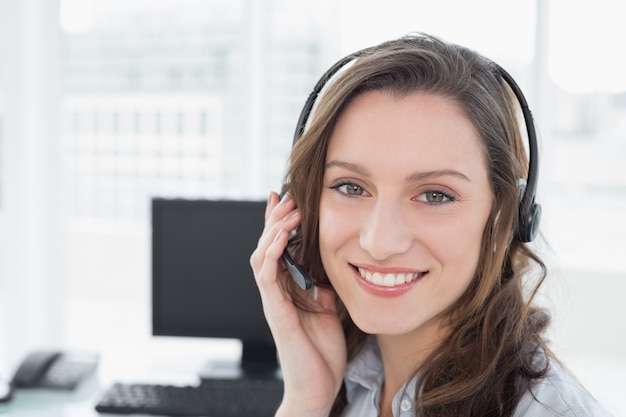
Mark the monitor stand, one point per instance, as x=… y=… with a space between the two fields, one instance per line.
x=258 y=360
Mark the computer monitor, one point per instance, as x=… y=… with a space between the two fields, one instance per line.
x=202 y=282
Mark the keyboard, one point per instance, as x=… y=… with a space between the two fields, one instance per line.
x=212 y=398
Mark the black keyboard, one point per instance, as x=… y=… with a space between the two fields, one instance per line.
x=212 y=398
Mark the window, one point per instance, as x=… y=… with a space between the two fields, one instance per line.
x=193 y=99
x=174 y=100
x=585 y=138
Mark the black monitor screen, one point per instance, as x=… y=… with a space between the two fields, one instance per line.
x=202 y=282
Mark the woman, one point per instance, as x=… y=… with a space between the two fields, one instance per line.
x=403 y=192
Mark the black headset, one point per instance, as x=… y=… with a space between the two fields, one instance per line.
x=529 y=212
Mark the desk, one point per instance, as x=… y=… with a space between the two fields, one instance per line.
x=166 y=363
x=603 y=376
x=45 y=403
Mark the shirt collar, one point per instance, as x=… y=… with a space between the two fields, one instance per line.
x=366 y=370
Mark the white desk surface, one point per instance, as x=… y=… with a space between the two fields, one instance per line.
x=172 y=363
x=166 y=364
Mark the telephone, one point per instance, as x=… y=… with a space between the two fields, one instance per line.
x=54 y=370
x=6 y=391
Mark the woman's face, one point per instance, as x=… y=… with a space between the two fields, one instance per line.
x=404 y=203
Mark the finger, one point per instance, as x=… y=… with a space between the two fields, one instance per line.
x=271 y=261
x=271 y=203
x=270 y=273
x=288 y=221
x=280 y=210
x=274 y=213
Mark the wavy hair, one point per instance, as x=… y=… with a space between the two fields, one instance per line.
x=494 y=349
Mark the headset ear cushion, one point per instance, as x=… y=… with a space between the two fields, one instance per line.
x=528 y=223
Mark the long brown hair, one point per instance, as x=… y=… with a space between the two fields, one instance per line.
x=494 y=349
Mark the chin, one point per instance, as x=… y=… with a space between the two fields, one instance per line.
x=373 y=323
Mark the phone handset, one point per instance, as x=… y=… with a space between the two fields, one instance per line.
x=302 y=278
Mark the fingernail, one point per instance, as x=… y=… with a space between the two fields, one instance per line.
x=285 y=197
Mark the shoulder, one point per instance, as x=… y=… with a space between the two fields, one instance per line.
x=559 y=394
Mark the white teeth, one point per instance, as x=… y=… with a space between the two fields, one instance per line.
x=389 y=279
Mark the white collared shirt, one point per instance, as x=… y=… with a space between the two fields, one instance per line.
x=558 y=394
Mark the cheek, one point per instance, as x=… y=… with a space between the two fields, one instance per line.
x=456 y=242
x=338 y=230
x=327 y=240
x=463 y=250
x=466 y=241
x=331 y=227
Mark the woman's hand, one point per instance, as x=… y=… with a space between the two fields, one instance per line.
x=311 y=346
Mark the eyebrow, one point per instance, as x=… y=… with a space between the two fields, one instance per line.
x=418 y=176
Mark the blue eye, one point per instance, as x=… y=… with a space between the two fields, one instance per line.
x=435 y=197
x=349 y=188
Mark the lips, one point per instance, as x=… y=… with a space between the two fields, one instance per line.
x=389 y=279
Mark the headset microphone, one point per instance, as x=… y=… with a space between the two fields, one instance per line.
x=302 y=278
x=297 y=272
x=529 y=212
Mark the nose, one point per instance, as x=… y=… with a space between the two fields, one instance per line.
x=386 y=231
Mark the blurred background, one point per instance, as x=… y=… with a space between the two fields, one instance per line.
x=105 y=104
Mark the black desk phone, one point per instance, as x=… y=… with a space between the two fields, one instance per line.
x=6 y=391
x=54 y=370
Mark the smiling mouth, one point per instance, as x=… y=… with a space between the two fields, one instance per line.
x=390 y=279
